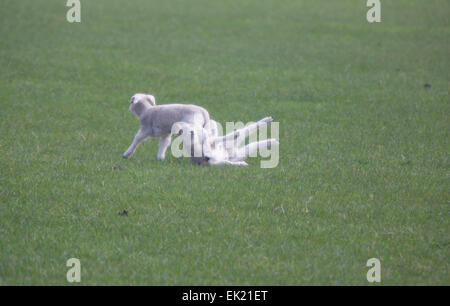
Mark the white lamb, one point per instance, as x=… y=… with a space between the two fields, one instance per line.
x=204 y=145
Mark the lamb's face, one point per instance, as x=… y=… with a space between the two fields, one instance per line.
x=188 y=132
x=193 y=138
x=140 y=102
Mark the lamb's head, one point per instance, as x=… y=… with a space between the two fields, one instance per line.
x=194 y=139
x=189 y=133
x=140 y=102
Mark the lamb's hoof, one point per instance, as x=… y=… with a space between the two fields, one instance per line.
x=267 y=119
x=243 y=164
x=273 y=142
x=125 y=156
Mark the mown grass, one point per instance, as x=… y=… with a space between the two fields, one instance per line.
x=363 y=169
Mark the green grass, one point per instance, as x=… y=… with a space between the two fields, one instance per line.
x=364 y=153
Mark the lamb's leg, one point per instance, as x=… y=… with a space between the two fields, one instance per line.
x=163 y=145
x=244 y=132
x=140 y=137
x=253 y=147
x=227 y=163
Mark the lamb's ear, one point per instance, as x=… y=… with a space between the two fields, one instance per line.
x=177 y=129
x=152 y=100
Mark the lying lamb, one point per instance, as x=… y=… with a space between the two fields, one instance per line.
x=204 y=146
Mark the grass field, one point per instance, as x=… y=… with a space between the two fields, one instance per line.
x=364 y=145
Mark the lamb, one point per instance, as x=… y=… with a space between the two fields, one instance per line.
x=204 y=146
x=157 y=121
